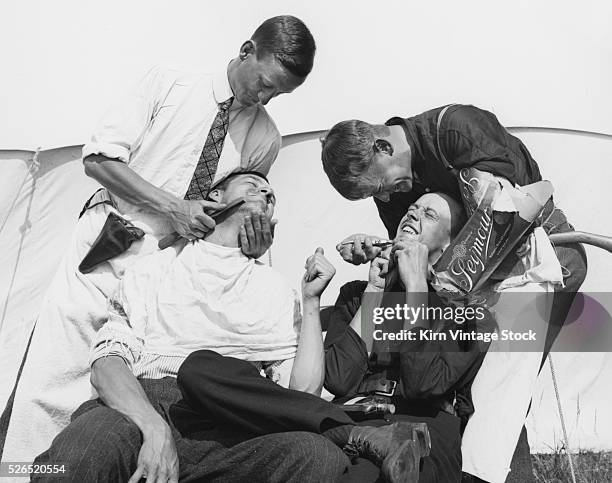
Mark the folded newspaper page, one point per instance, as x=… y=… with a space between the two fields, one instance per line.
x=499 y=215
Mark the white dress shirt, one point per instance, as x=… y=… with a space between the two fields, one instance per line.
x=160 y=130
x=206 y=297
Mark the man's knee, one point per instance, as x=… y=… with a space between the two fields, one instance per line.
x=197 y=365
x=208 y=367
x=98 y=443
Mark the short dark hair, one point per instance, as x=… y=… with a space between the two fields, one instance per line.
x=288 y=39
x=222 y=184
x=347 y=152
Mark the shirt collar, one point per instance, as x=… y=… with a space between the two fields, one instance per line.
x=411 y=137
x=222 y=90
x=219 y=251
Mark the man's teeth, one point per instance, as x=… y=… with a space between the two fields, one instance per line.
x=409 y=229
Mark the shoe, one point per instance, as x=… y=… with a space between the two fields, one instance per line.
x=397 y=448
x=402 y=466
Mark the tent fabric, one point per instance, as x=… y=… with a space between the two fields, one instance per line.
x=40 y=198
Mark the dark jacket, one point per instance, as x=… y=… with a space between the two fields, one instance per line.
x=427 y=371
x=468 y=137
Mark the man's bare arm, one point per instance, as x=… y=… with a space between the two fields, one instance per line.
x=120 y=390
x=186 y=217
x=308 y=371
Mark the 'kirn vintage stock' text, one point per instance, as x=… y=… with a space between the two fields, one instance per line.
x=411 y=314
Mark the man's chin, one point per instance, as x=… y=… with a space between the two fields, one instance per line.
x=255 y=206
x=246 y=102
x=403 y=236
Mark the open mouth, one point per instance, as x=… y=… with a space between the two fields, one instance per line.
x=410 y=229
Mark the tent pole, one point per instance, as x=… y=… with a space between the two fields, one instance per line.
x=566 y=441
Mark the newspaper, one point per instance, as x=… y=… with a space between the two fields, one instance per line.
x=499 y=215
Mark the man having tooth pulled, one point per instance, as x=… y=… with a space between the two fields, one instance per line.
x=404 y=158
x=427 y=378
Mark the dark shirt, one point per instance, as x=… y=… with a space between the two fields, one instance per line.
x=427 y=371
x=468 y=137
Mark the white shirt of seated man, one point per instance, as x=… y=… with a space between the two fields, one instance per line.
x=206 y=294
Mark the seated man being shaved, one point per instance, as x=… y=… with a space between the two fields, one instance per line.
x=427 y=376
x=204 y=294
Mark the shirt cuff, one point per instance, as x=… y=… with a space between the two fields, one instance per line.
x=112 y=151
x=116 y=340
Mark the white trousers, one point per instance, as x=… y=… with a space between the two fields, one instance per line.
x=503 y=387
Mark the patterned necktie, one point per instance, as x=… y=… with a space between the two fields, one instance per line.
x=209 y=159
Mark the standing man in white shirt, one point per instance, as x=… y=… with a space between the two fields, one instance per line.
x=157 y=153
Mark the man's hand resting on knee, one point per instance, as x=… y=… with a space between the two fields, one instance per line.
x=157 y=460
x=120 y=390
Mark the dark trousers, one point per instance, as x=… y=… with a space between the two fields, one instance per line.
x=101 y=445
x=231 y=393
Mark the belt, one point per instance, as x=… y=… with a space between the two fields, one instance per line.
x=101 y=196
x=381 y=387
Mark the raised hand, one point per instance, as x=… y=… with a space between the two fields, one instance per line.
x=412 y=259
x=319 y=272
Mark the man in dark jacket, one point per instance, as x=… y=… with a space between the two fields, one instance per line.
x=400 y=160
x=429 y=378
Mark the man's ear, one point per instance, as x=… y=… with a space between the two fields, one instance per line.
x=247 y=49
x=216 y=195
x=382 y=146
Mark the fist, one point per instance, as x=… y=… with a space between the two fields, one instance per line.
x=190 y=218
x=379 y=269
x=358 y=248
x=319 y=272
x=412 y=259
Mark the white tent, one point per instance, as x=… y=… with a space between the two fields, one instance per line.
x=542 y=65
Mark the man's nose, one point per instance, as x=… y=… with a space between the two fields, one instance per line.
x=267 y=192
x=416 y=213
x=382 y=197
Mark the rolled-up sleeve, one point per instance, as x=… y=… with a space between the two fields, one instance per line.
x=117 y=337
x=122 y=128
x=264 y=143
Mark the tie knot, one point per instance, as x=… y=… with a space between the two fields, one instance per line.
x=225 y=105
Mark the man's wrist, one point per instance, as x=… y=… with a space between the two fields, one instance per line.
x=168 y=204
x=313 y=301
x=413 y=285
x=150 y=423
